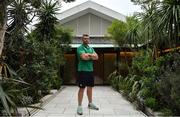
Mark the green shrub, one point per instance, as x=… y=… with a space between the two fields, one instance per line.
x=114 y=79
x=168 y=82
x=141 y=62
x=112 y=75
x=117 y=82
x=144 y=93
x=123 y=69
x=156 y=82
x=166 y=112
x=168 y=85
x=151 y=102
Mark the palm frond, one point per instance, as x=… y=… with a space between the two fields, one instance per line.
x=4 y=101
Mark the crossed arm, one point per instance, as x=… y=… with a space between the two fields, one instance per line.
x=87 y=56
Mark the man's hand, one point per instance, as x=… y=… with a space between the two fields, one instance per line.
x=93 y=56
x=87 y=56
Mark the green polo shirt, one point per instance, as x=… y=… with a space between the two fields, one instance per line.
x=85 y=65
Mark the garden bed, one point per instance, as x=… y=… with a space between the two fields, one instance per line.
x=44 y=101
x=139 y=105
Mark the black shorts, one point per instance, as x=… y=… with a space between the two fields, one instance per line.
x=85 y=79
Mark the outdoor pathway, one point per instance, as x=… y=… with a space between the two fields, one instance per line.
x=110 y=102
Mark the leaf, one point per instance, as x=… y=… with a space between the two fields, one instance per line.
x=4 y=101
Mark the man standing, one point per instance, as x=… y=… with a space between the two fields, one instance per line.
x=86 y=55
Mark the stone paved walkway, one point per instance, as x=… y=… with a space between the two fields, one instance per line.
x=110 y=102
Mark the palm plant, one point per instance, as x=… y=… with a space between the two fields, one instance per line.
x=4 y=101
x=15 y=15
x=49 y=42
x=13 y=95
x=5 y=16
x=47 y=21
x=151 y=29
x=133 y=33
x=170 y=20
x=126 y=33
x=160 y=20
x=20 y=14
x=11 y=90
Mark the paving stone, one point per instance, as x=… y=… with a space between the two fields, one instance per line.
x=110 y=102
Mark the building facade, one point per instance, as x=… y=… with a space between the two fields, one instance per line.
x=93 y=19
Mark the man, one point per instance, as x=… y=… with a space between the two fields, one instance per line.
x=86 y=55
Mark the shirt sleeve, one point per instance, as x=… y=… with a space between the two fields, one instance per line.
x=80 y=51
x=93 y=51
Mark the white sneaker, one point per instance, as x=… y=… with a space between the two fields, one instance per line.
x=92 y=106
x=79 y=110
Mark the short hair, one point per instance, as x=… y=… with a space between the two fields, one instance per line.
x=84 y=35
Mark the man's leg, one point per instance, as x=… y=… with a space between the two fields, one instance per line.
x=89 y=94
x=80 y=96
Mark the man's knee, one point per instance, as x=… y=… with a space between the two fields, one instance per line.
x=81 y=89
x=89 y=88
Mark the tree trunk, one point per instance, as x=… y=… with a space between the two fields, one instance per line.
x=3 y=18
x=2 y=34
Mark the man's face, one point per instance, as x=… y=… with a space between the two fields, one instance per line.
x=85 y=40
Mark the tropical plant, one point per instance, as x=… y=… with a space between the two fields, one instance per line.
x=6 y=13
x=170 y=20
x=168 y=85
x=53 y=40
x=16 y=50
x=13 y=92
x=151 y=102
x=125 y=33
x=133 y=34
x=117 y=31
x=19 y=16
x=160 y=22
